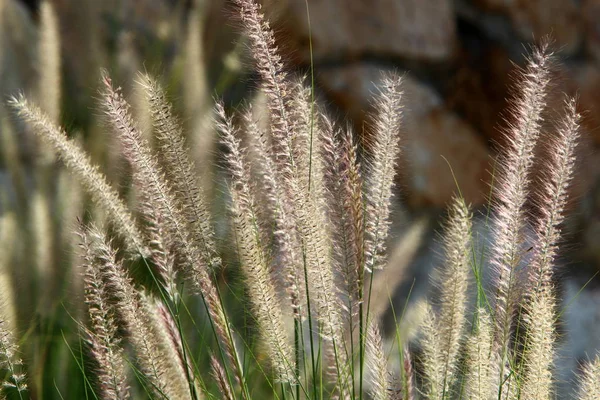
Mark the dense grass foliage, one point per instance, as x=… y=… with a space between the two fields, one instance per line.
x=282 y=304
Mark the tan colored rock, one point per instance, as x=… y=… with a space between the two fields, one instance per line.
x=439 y=147
x=346 y=29
x=431 y=133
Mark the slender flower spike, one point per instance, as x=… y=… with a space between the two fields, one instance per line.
x=149 y=177
x=268 y=64
x=589 y=383
x=384 y=154
x=539 y=347
x=220 y=377
x=480 y=383
x=119 y=289
x=180 y=170
x=277 y=204
x=104 y=344
x=512 y=192
x=80 y=164
x=541 y=307
x=407 y=376
x=554 y=195
x=453 y=283
x=433 y=358
x=255 y=266
x=377 y=364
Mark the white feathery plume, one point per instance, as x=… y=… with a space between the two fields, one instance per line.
x=589 y=382
x=385 y=149
x=512 y=192
x=79 y=163
x=254 y=262
x=540 y=309
x=453 y=283
x=377 y=363
x=481 y=363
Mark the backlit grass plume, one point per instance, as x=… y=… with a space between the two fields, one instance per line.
x=589 y=384
x=102 y=333
x=254 y=256
x=541 y=307
x=80 y=164
x=512 y=192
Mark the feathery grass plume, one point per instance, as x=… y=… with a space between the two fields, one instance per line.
x=310 y=222
x=309 y=213
x=317 y=245
x=554 y=195
x=160 y=253
x=380 y=182
x=278 y=91
x=453 y=283
x=110 y=370
x=218 y=374
x=352 y=189
x=539 y=347
x=589 y=382
x=10 y=360
x=512 y=190
x=433 y=356
x=408 y=384
x=177 y=371
x=307 y=125
x=128 y=305
x=341 y=184
x=159 y=203
x=49 y=84
x=180 y=170
x=179 y=353
x=277 y=206
x=270 y=68
x=541 y=306
x=148 y=176
x=254 y=257
x=480 y=377
x=343 y=192
x=377 y=363
x=89 y=175
x=314 y=229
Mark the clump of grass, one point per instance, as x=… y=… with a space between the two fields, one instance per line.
x=311 y=227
